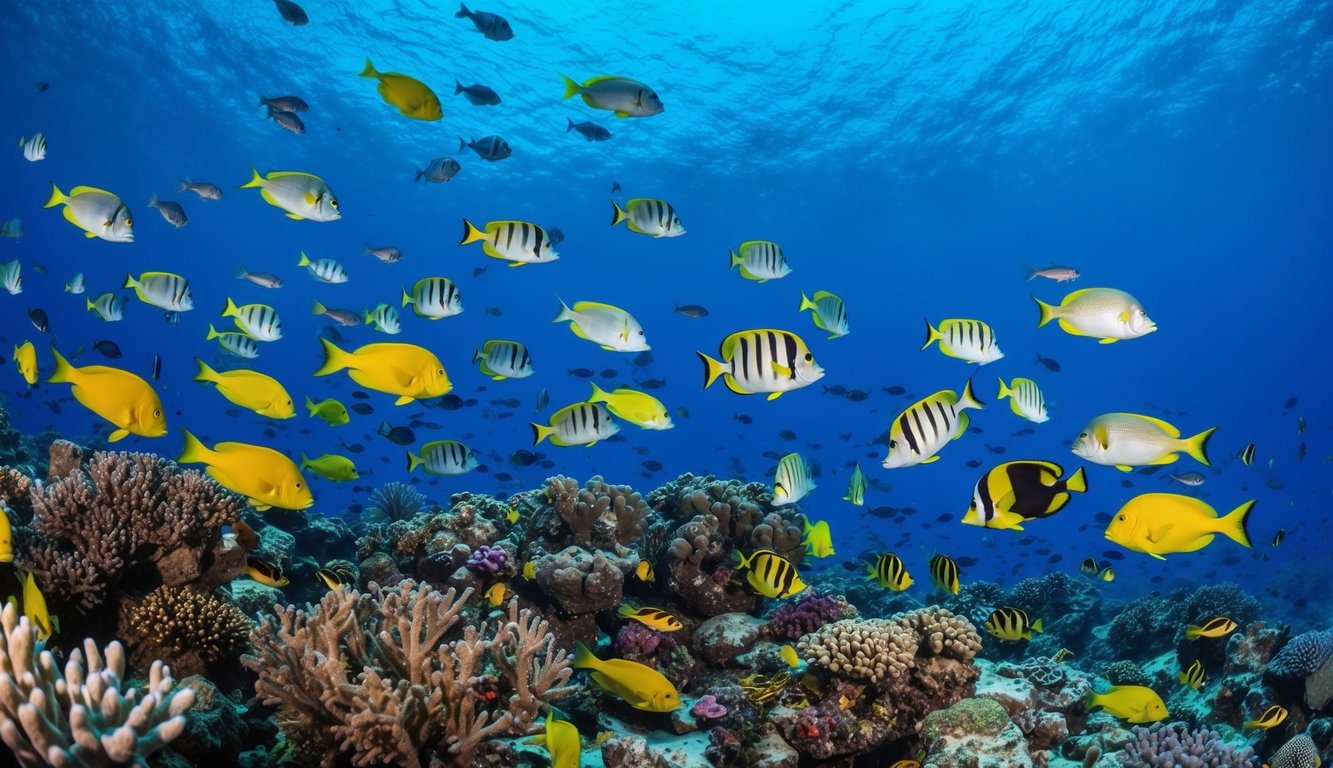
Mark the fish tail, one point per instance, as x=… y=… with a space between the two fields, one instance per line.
x=1077 y=482
x=618 y=214
x=565 y=312
x=1235 y=525
x=570 y=125
x=462 y=145
x=736 y=261
x=471 y=234
x=1036 y=626
x=413 y=461
x=540 y=432
x=407 y=299
x=1029 y=272
x=1197 y=446
x=205 y=373
x=969 y=399
x=185 y=184
x=932 y=335
x=420 y=173
x=584 y=658
x=458 y=87
x=310 y=406
x=334 y=359
x=64 y=372
x=1047 y=312
x=212 y=333
x=624 y=611
x=129 y=281
x=463 y=12
x=241 y=274
x=304 y=260
x=572 y=88
x=255 y=179
x=369 y=69
x=598 y=394
x=1193 y=633
x=1005 y=391
x=57 y=197
x=152 y=201
x=1093 y=699
x=89 y=302
x=193 y=452
x=712 y=369
x=806 y=303
x=230 y=310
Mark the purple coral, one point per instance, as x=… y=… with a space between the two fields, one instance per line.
x=638 y=641
x=708 y=708
x=487 y=560
x=795 y=620
x=1171 y=745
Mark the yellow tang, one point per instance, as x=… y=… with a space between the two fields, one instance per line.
x=651 y=617
x=788 y=655
x=264 y=476
x=34 y=607
x=1218 y=626
x=265 y=572
x=399 y=369
x=530 y=570
x=512 y=515
x=251 y=390
x=331 y=466
x=1134 y=703
x=638 y=408
x=561 y=739
x=496 y=594
x=25 y=359
x=1161 y=524
x=6 y=538
x=120 y=397
x=409 y=94
x=818 y=539
x=642 y=687
x=771 y=574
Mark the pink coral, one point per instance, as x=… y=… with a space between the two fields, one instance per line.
x=708 y=708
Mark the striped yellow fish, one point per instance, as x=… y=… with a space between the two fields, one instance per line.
x=1015 y=492
x=1271 y=718
x=233 y=343
x=920 y=432
x=763 y=360
x=761 y=261
x=323 y=270
x=258 y=321
x=828 y=313
x=648 y=216
x=770 y=574
x=443 y=457
x=856 y=487
x=517 y=242
x=164 y=290
x=970 y=340
x=1218 y=626
x=1192 y=676
x=1011 y=624
x=651 y=617
x=792 y=482
x=1025 y=399
x=889 y=572
x=265 y=572
x=944 y=573
x=1246 y=455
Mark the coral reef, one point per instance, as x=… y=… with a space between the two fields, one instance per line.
x=1166 y=746
x=1307 y=663
x=393 y=502
x=191 y=629
x=597 y=515
x=974 y=733
x=807 y=613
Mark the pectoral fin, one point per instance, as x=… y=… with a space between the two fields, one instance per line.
x=119 y=434
x=781 y=370
x=404 y=400
x=295 y=217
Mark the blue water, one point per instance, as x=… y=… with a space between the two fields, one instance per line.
x=910 y=157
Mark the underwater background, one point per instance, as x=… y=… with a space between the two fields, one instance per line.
x=915 y=159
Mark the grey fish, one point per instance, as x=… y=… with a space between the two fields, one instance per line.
x=284 y=103
x=1051 y=364
x=385 y=253
x=439 y=170
x=287 y=120
x=397 y=435
x=343 y=317
x=589 y=130
x=492 y=25
x=478 y=94
x=261 y=279
x=172 y=212
x=1058 y=274
x=1192 y=479
x=203 y=189
x=292 y=13
x=691 y=310
x=108 y=348
x=489 y=148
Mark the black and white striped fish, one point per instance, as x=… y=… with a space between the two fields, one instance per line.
x=434 y=298
x=970 y=340
x=928 y=425
x=792 y=482
x=323 y=270
x=258 y=321
x=443 y=457
x=760 y=260
x=1025 y=399
x=502 y=359
x=648 y=216
x=164 y=290
x=490 y=148
x=237 y=344
x=577 y=424
x=517 y=242
x=763 y=360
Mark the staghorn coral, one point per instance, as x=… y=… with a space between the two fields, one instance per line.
x=1166 y=746
x=1298 y=752
x=190 y=628
x=598 y=515
x=83 y=719
x=370 y=676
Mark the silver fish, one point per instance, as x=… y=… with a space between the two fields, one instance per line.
x=261 y=279
x=1058 y=274
x=385 y=253
x=1192 y=479
x=489 y=148
x=284 y=103
x=288 y=120
x=439 y=170
x=172 y=212
x=203 y=189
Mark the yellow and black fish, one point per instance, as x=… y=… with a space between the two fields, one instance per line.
x=1247 y=455
x=337 y=573
x=1272 y=717
x=265 y=572
x=889 y=572
x=1218 y=626
x=1062 y=655
x=1192 y=676
x=1090 y=567
x=944 y=572
x=644 y=571
x=1279 y=536
x=771 y=574
x=651 y=617
x=1011 y=624
x=1017 y=491
x=1108 y=575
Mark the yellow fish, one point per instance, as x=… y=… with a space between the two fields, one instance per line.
x=6 y=538
x=909 y=763
x=97 y=212
x=251 y=390
x=496 y=594
x=641 y=687
x=1108 y=575
x=1218 y=626
x=1161 y=524
x=34 y=607
x=331 y=411
x=120 y=397
x=410 y=95
x=561 y=739
x=530 y=570
x=638 y=408
x=331 y=466
x=651 y=617
x=818 y=539
x=1133 y=703
x=788 y=655
x=265 y=572
x=399 y=369
x=25 y=359
x=331 y=578
x=1192 y=676
x=1012 y=624
x=771 y=574
x=889 y=572
x=264 y=476
x=644 y=571
x=1271 y=718
x=1128 y=440
x=512 y=515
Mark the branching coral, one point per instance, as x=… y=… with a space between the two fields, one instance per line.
x=370 y=676
x=191 y=628
x=1168 y=746
x=82 y=718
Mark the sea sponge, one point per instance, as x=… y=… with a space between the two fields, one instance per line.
x=1125 y=673
x=1305 y=653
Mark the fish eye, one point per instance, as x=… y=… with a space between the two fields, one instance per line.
x=439 y=372
x=157 y=413
x=298 y=485
x=1082 y=434
x=333 y=201
x=893 y=444
x=1121 y=518
x=129 y=221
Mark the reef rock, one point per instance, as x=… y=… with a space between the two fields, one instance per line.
x=974 y=733
x=721 y=639
x=1045 y=700
x=580 y=581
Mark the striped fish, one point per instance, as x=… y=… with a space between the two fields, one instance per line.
x=856 y=489
x=11 y=277
x=264 y=572
x=771 y=574
x=1015 y=492
x=1246 y=455
x=258 y=321
x=578 y=424
x=237 y=344
x=517 y=242
x=164 y=290
x=501 y=359
x=1011 y=624
x=1025 y=399
x=828 y=313
x=331 y=578
x=648 y=216
x=944 y=573
x=434 y=298
x=651 y=617
x=323 y=270
x=1218 y=626
x=970 y=340
x=109 y=306
x=443 y=457
x=1271 y=718
x=761 y=260
x=384 y=319
x=1192 y=676
x=75 y=284
x=792 y=482
x=762 y=360
x=889 y=572
x=343 y=317
x=920 y=432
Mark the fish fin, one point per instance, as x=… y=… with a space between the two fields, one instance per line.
x=334 y=359
x=1235 y=525
x=64 y=372
x=1077 y=482
x=964 y=421
x=619 y=214
x=259 y=505
x=932 y=335
x=255 y=179
x=781 y=370
x=404 y=400
x=57 y=197
x=1047 y=312
x=572 y=88
x=368 y=70
x=540 y=432
x=310 y=406
x=1124 y=468
x=193 y=452
x=119 y=434
x=621 y=113
x=471 y=234
x=413 y=461
x=1103 y=436
x=1005 y=391
x=712 y=369
x=1107 y=341
x=806 y=303
x=205 y=373
x=86 y=233
x=294 y=217
x=1036 y=626
x=968 y=400
x=932 y=459
x=774 y=395
x=1197 y=446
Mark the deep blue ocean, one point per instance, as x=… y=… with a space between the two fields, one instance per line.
x=911 y=157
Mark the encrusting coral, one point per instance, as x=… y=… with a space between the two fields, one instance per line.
x=83 y=718
x=371 y=676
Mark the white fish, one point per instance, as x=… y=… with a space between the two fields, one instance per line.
x=12 y=228
x=163 y=290
x=612 y=327
x=384 y=319
x=502 y=359
x=1128 y=440
x=75 y=284
x=792 y=482
x=386 y=253
x=203 y=189
x=760 y=260
x=237 y=344
x=1192 y=479
x=97 y=212
x=828 y=313
x=434 y=298
x=970 y=340
x=621 y=95
x=258 y=321
x=11 y=277
x=762 y=361
x=260 y=279
x=1058 y=274
x=577 y=424
x=109 y=306
x=919 y=433
x=648 y=216
x=34 y=149
x=518 y=242
x=301 y=195
x=323 y=270
x=1025 y=399
x=1104 y=313
x=443 y=457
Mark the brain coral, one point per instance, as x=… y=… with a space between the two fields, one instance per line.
x=876 y=649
